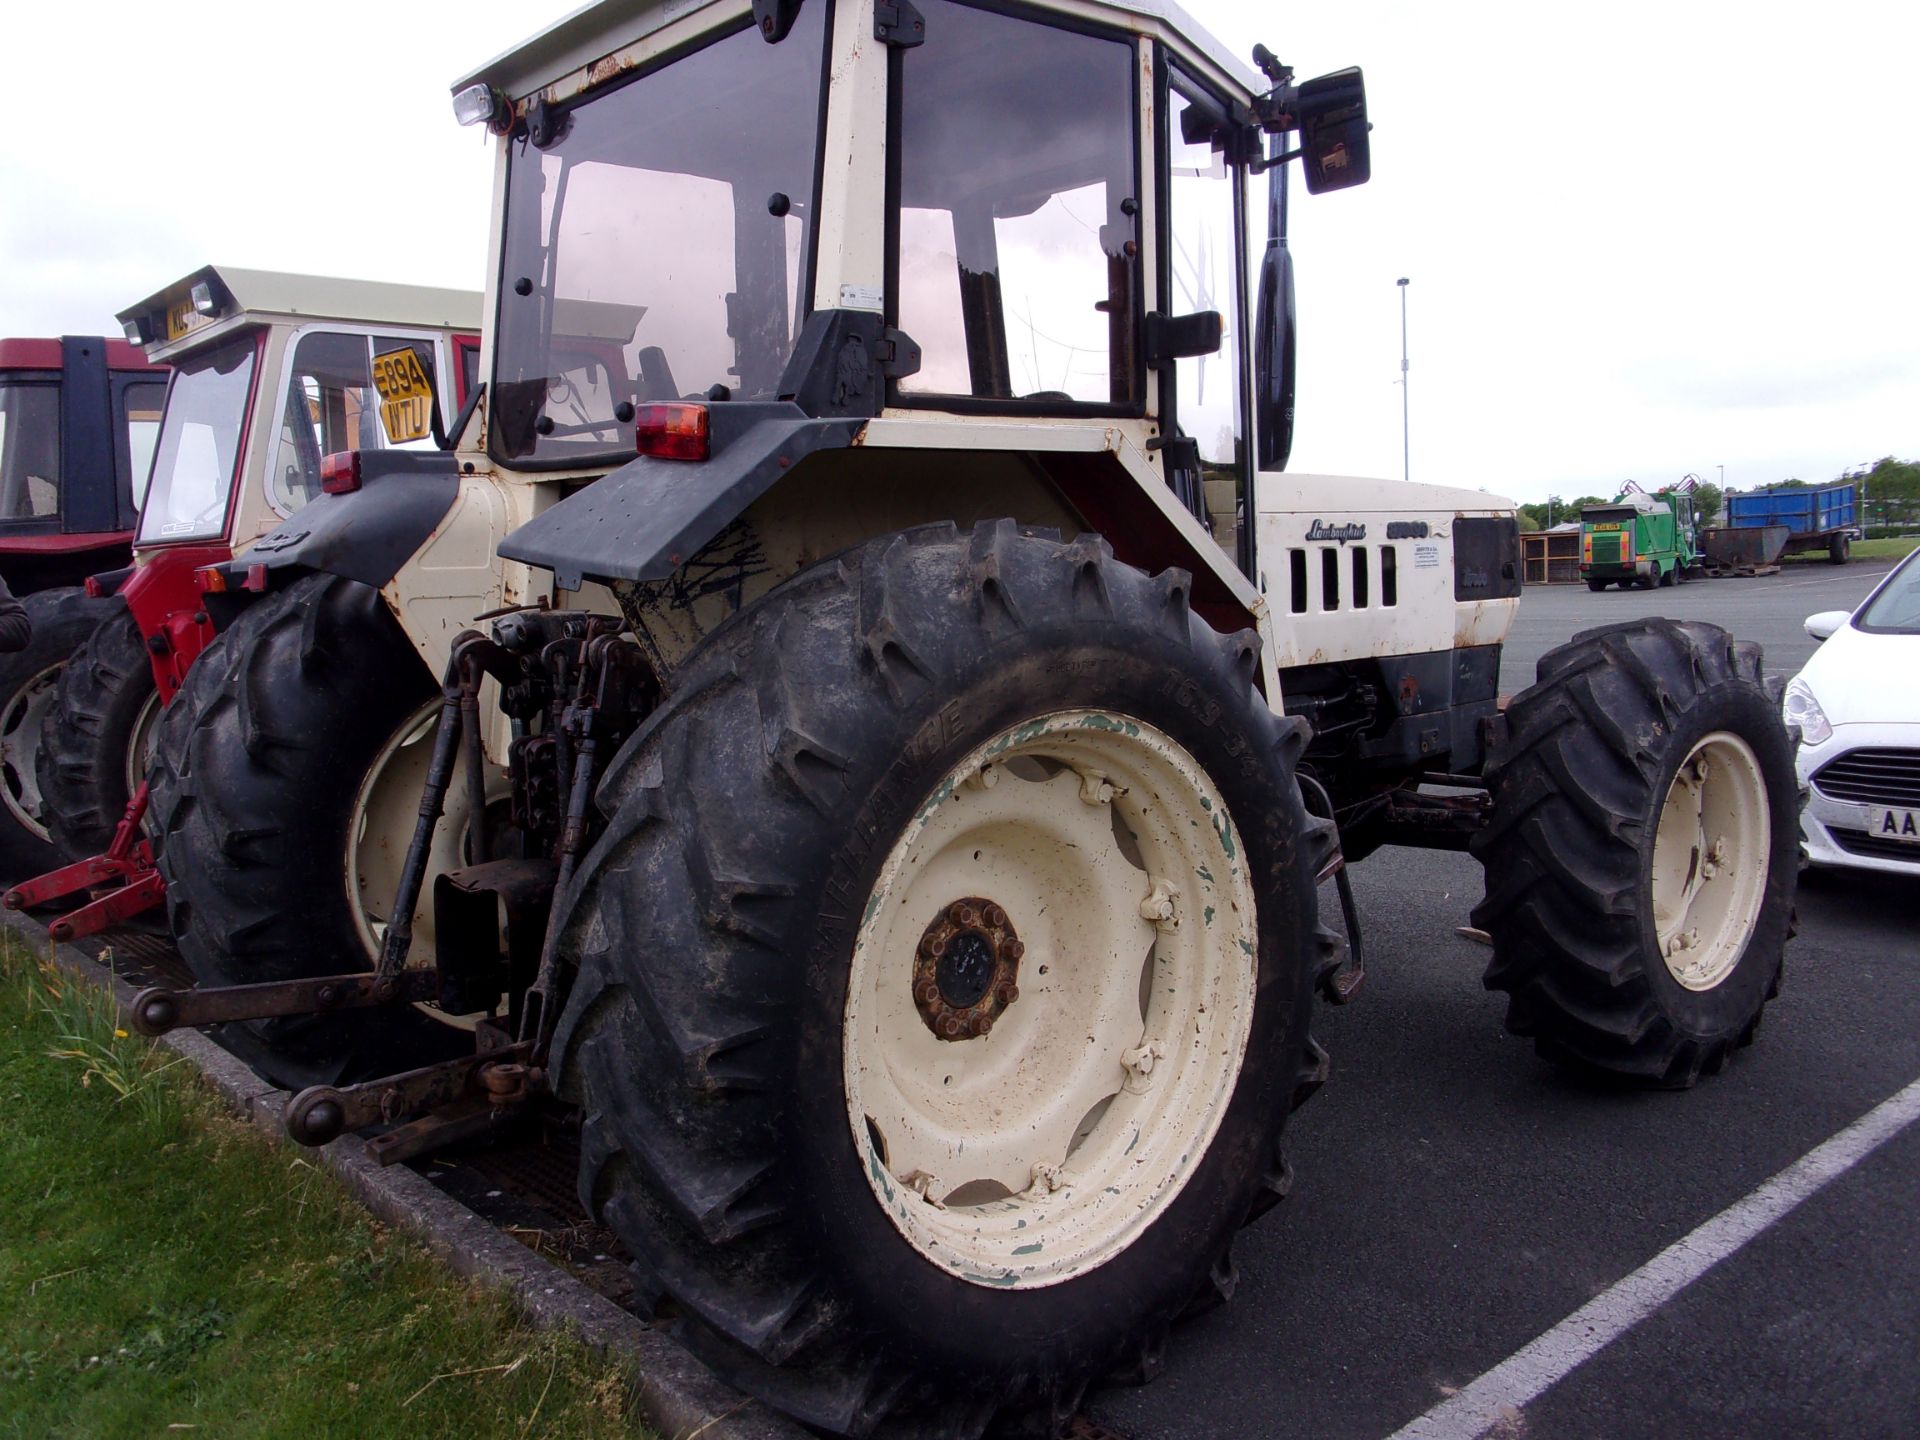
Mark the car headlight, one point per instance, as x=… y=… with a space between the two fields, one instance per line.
x=1801 y=709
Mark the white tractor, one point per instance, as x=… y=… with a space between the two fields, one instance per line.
x=929 y=708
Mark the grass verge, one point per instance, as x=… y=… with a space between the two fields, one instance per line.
x=166 y=1270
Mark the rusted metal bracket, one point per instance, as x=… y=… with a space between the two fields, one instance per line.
x=500 y=1079
x=157 y=1009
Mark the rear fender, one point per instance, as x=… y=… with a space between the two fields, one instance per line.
x=366 y=534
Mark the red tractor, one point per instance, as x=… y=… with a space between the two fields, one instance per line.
x=78 y=419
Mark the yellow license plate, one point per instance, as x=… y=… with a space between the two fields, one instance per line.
x=181 y=317
x=406 y=395
x=1599 y=528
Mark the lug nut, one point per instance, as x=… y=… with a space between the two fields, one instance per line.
x=1013 y=950
x=962 y=914
x=1006 y=995
x=950 y=1025
x=982 y=1023
x=930 y=993
x=996 y=917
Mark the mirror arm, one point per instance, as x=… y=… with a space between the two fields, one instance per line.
x=1259 y=166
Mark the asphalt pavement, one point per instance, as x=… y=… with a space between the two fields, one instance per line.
x=1457 y=1197
x=1771 y=609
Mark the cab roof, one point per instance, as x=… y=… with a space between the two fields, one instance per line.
x=262 y=293
x=601 y=27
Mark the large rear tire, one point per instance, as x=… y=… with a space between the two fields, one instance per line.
x=62 y=619
x=98 y=737
x=1642 y=852
x=259 y=795
x=852 y=1195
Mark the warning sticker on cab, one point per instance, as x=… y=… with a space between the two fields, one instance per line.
x=1426 y=557
x=406 y=395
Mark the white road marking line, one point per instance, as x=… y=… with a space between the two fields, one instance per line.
x=1529 y=1372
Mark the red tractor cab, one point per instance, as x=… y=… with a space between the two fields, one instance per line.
x=79 y=417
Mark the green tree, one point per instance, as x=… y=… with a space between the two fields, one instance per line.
x=1892 y=489
x=1707 y=500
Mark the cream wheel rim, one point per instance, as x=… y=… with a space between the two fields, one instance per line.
x=146 y=726
x=1710 y=858
x=1120 y=965
x=381 y=829
x=20 y=750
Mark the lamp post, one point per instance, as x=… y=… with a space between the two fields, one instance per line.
x=1406 y=409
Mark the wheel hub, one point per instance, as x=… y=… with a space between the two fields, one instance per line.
x=965 y=969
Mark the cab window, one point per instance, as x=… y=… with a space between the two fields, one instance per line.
x=1016 y=245
x=332 y=404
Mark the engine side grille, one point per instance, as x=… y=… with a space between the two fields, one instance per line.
x=1859 y=842
x=1872 y=777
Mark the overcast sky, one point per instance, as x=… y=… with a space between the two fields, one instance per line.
x=1643 y=239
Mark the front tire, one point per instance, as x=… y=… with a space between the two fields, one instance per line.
x=97 y=739
x=775 y=1068
x=1642 y=852
x=62 y=619
x=259 y=800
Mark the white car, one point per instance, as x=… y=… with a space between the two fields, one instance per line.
x=1857 y=703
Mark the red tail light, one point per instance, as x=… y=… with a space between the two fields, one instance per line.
x=671 y=432
x=340 y=472
x=210 y=580
x=93 y=587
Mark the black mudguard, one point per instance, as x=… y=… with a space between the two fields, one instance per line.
x=642 y=521
x=366 y=534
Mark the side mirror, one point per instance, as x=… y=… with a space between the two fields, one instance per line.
x=1332 y=111
x=1180 y=337
x=1273 y=356
x=1823 y=625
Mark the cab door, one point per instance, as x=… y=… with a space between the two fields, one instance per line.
x=1205 y=399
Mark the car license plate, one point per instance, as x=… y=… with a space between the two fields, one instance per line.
x=1885 y=824
x=406 y=395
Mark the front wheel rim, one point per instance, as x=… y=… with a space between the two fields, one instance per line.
x=1114 y=963
x=20 y=750
x=1711 y=855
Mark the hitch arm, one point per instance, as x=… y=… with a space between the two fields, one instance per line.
x=157 y=1009
x=500 y=1079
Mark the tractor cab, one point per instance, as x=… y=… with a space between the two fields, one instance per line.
x=78 y=417
x=1052 y=244
x=273 y=373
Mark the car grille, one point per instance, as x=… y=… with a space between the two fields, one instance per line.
x=1872 y=777
x=1859 y=842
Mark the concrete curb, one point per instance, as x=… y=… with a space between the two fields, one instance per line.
x=675 y=1393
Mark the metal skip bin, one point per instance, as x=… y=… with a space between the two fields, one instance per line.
x=1745 y=548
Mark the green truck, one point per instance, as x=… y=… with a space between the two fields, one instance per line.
x=1639 y=540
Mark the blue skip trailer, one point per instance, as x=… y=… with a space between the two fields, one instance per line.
x=1783 y=522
